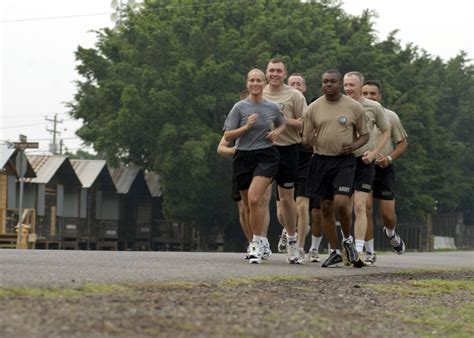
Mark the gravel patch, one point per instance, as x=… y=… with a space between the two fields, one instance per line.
x=360 y=306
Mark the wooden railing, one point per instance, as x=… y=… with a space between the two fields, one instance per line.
x=28 y=221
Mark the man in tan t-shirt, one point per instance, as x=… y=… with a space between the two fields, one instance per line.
x=365 y=155
x=292 y=104
x=383 y=187
x=340 y=128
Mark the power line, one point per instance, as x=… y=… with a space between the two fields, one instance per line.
x=60 y=17
x=13 y=118
x=45 y=18
x=23 y=125
x=48 y=139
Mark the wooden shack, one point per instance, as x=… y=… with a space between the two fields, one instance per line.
x=55 y=193
x=9 y=197
x=99 y=207
x=134 y=231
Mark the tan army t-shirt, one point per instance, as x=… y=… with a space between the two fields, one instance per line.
x=397 y=131
x=292 y=104
x=335 y=124
x=374 y=116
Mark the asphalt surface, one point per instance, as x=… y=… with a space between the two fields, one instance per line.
x=42 y=268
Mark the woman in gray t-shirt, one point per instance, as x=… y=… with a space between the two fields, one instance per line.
x=255 y=123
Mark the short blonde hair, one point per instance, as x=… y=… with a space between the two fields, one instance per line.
x=358 y=75
x=256 y=70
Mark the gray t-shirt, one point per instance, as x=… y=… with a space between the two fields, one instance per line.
x=269 y=117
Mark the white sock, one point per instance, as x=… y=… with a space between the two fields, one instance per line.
x=390 y=232
x=257 y=239
x=369 y=246
x=291 y=239
x=359 y=245
x=315 y=242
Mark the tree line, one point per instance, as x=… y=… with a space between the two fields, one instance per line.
x=155 y=92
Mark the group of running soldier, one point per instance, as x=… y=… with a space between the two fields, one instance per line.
x=328 y=160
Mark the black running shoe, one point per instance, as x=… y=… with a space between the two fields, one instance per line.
x=351 y=253
x=396 y=242
x=333 y=259
x=359 y=263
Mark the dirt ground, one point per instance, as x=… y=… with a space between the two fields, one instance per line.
x=417 y=304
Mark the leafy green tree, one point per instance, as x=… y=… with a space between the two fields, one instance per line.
x=83 y=155
x=155 y=92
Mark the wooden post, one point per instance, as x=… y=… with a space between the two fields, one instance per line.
x=53 y=222
x=429 y=232
x=3 y=221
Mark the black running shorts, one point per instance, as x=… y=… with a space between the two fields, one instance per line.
x=331 y=175
x=384 y=183
x=315 y=203
x=250 y=163
x=304 y=164
x=364 y=176
x=288 y=168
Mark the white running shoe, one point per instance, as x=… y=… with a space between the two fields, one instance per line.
x=266 y=252
x=300 y=256
x=313 y=256
x=292 y=253
x=255 y=254
x=283 y=241
x=370 y=258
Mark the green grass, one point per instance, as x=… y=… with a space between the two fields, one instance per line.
x=262 y=279
x=439 y=320
x=425 y=287
x=86 y=289
x=436 y=270
x=433 y=317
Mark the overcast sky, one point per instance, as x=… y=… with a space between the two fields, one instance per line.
x=37 y=55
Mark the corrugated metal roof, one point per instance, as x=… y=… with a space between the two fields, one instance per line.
x=7 y=162
x=46 y=166
x=153 y=181
x=123 y=178
x=5 y=155
x=88 y=170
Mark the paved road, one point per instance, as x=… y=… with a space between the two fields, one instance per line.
x=71 y=268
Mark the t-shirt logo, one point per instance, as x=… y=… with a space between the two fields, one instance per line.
x=343 y=120
x=262 y=115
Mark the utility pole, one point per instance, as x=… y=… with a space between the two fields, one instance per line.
x=54 y=132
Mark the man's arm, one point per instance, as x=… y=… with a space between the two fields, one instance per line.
x=369 y=156
x=359 y=142
x=298 y=110
x=308 y=131
x=400 y=148
x=294 y=122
